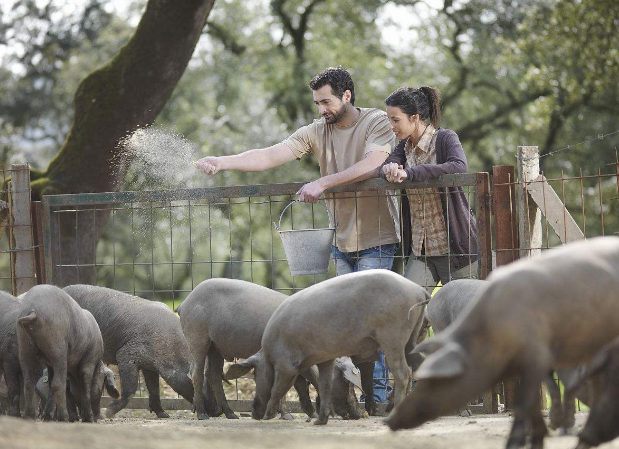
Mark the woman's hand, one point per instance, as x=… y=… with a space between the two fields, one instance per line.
x=394 y=172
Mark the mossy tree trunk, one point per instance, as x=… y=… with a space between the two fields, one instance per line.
x=111 y=102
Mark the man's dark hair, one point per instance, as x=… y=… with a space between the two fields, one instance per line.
x=339 y=80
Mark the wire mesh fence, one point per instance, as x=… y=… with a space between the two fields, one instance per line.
x=160 y=245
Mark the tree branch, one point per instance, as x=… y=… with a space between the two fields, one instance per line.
x=225 y=37
x=472 y=129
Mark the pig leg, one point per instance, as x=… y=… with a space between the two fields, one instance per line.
x=57 y=401
x=569 y=408
x=84 y=385
x=301 y=385
x=11 y=378
x=601 y=425
x=396 y=361
x=556 y=407
x=214 y=368
x=151 y=378
x=284 y=378
x=199 y=351
x=73 y=388
x=367 y=381
x=128 y=372
x=325 y=382
x=30 y=371
x=527 y=410
x=96 y=389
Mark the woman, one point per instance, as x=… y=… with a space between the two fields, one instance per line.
x=439 y=234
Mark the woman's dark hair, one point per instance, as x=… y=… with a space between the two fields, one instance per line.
x=425 y=101
x=339 y=80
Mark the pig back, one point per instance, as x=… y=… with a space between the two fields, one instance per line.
x=451 y=300
x=347 y=310
x=231 y=313
x=567 y=298
x=130 y=321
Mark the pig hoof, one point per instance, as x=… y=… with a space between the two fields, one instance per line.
x=513 y=445
x=202 y=416
x=286 y=417
x=162 y=414
x=231 y=415
x=269 y=415
x=320 y=422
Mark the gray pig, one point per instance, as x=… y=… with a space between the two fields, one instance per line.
x=138 y=335
x=225 y=319
x=552 y=311
x=9 y=354
x=353 y=314
x=452 y=300
x=54 y=329
x=104 y=378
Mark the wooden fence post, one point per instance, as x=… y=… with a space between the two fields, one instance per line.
x=484 y=247
x=22 y=247
x=529 y=215
x=506 y=234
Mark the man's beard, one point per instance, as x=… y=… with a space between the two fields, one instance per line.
x=337 y=117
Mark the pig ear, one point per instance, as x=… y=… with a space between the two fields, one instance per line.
x=428 y=346
x=449 y=361
x=349 y=370
x=240 y=369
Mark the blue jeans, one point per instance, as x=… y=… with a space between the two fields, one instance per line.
x=366 y=259
x=369 y=259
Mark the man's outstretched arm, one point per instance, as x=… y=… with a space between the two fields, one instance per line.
x=252 y=160
x=366 y=168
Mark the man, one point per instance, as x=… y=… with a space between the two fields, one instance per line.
x=350 y=144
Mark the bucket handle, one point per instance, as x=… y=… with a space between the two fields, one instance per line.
x=278 y=226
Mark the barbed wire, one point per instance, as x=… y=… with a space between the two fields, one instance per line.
x=569 y=147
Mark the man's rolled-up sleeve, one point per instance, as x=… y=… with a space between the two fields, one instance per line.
x=380 y=136
x=300 y=142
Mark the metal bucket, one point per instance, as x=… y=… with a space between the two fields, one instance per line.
x=307 y=250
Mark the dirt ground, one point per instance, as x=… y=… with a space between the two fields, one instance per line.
x=133 y=429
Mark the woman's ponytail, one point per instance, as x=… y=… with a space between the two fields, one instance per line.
x=434 y=102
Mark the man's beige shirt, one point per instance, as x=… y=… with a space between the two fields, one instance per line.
x=364 y=219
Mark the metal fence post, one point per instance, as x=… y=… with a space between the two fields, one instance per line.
x=49 y=232
x=38 y=236
x=484 y=231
